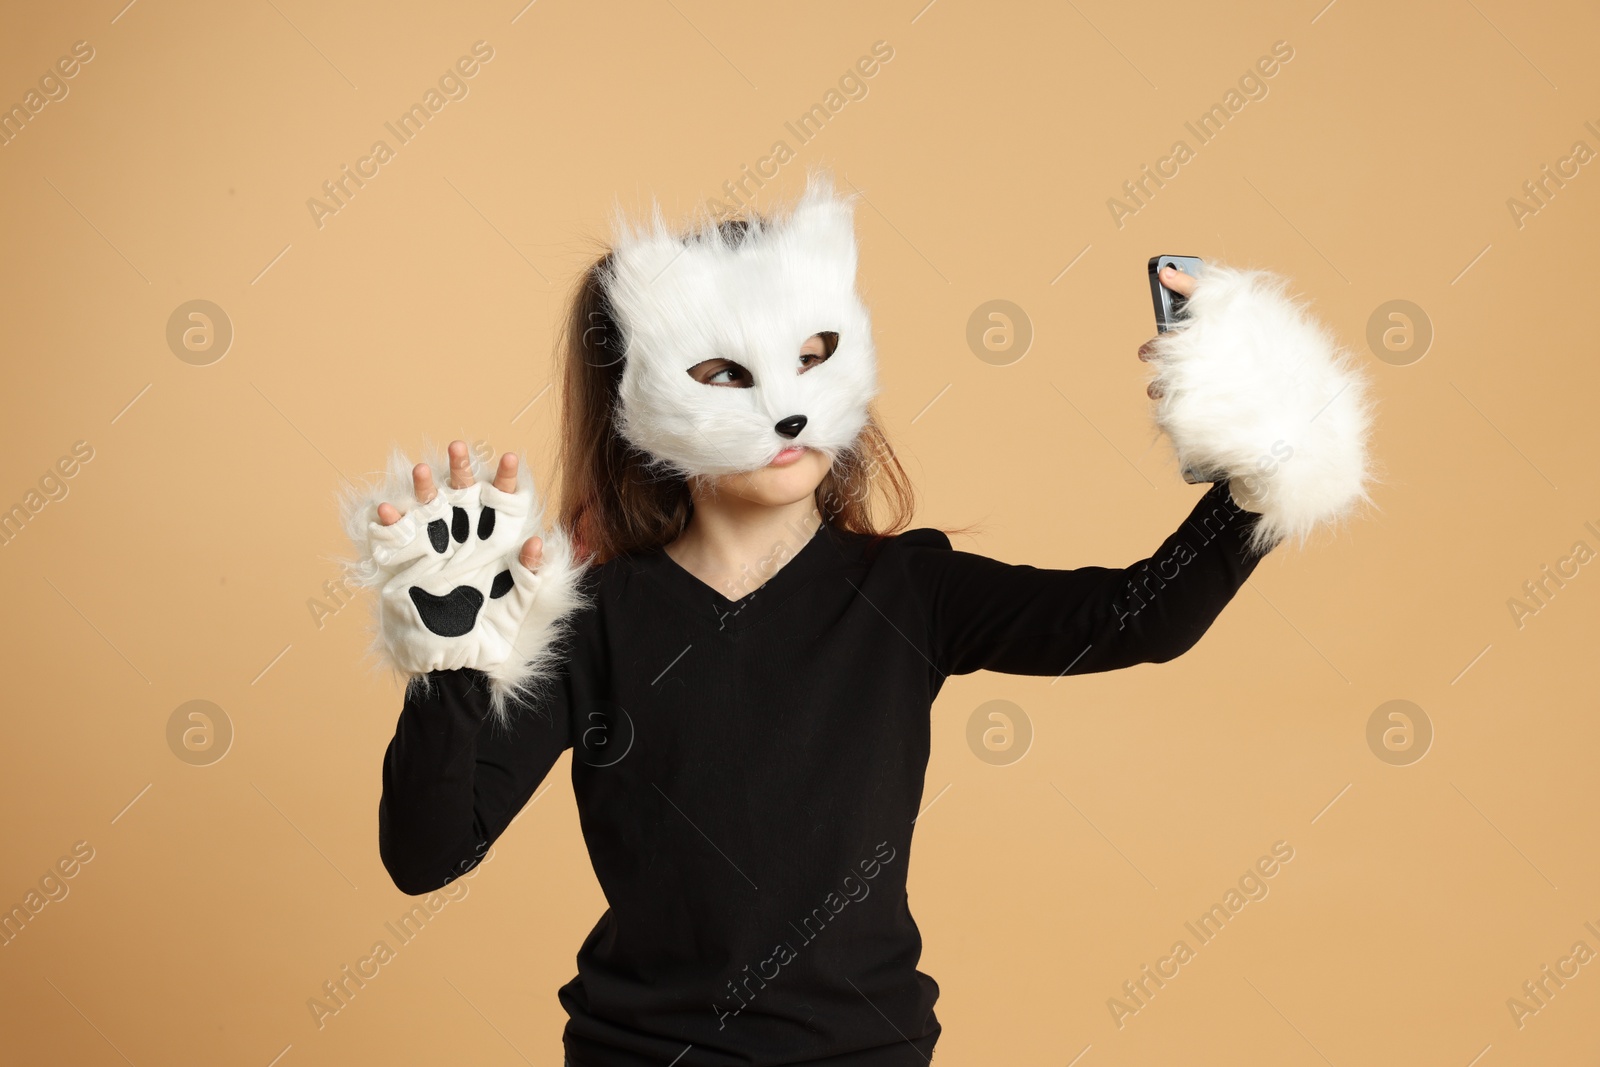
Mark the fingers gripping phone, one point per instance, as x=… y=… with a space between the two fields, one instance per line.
x=1169 y=309
x=1169 y=305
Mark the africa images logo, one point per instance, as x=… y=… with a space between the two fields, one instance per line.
x=743 y=988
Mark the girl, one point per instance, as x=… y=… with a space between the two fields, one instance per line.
x=743 y=659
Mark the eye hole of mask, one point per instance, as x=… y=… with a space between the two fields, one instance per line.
x=722 y=372
x=809 y=359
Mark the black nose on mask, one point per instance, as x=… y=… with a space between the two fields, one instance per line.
x=791 y=426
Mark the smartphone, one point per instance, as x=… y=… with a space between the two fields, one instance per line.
x=1169 y=305
x=1169 y=309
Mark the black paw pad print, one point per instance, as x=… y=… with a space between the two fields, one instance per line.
x=456 y=613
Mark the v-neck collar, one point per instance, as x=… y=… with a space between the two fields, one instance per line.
x=706 y=602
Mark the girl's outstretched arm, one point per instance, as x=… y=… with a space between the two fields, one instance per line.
x=983 y=614
x=1251 y=389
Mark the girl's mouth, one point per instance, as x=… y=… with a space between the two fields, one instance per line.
x=787 y=456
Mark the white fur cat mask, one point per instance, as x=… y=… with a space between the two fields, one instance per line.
x=679 y=301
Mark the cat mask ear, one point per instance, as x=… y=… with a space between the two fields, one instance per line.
x=752 y=297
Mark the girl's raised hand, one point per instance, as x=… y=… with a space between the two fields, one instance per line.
x=505 y=480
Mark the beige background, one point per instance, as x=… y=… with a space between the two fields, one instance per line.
x=184 y=559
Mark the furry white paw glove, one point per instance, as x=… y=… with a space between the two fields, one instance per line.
x=1256 y=390
x=452 y=589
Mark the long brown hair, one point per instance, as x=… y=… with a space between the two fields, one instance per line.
x=615 y=503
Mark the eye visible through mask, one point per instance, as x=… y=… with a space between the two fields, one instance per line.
x=811 y=354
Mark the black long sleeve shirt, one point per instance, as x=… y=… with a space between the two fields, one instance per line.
x=747 y=773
